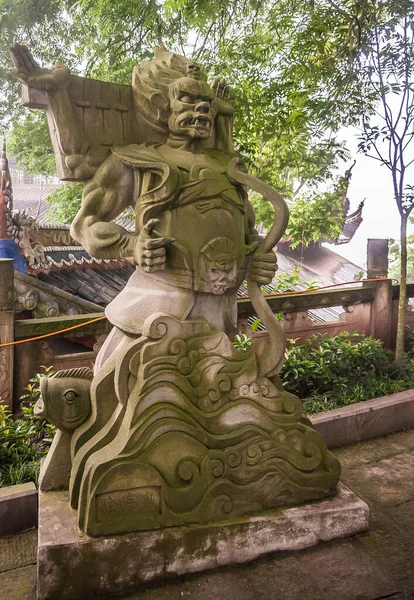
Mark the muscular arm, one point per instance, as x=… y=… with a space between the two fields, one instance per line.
x=104 y=198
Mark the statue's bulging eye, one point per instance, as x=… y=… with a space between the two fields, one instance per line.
x=70 y=395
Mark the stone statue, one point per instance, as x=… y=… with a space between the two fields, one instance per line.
x=183 y=427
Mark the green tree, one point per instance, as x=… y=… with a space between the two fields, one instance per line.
x=29 y=142
x=285 y=129
x=316 y=216
x=295 y=67
x=65 y=203
x=395 y=257
x=388 y=125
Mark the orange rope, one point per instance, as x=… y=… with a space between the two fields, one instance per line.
x=46 y=335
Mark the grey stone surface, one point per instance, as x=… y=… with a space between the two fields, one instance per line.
x=18 y=554
x=18 y=550
x=18 y=508
x=19 y=584
x=366 y=420
x=72 y=565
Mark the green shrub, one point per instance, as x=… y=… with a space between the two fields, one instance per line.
x=324 y=363
x=330 y=372
x=242 y=342
x=24 y=440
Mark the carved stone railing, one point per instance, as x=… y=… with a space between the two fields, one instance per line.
x=298 y=302
x=370 y=308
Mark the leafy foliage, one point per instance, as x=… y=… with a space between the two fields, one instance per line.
x=25 y=440
x=357 y=392
x=289 y=281
x=329 y=372
x=29 y=142
x=276 y=55
x=323 y=363
x=65 y=203
x=300 y=70
x=242 y=342
x=316 y=216
x=395 y=257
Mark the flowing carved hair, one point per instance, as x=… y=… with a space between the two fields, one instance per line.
x=154 y=77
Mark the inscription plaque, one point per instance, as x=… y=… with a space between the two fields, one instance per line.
x=124 y=504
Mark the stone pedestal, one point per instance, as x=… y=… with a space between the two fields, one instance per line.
x=72 y=565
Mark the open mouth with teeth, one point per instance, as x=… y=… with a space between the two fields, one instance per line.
x=202 y=122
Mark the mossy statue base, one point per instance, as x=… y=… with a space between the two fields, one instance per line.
x=72 y=565
x=198 y=437
x=176 y=427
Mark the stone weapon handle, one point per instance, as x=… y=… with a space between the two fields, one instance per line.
x=271 y=359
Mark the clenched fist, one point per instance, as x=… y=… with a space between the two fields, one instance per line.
x=262 y=268
x=150 y=252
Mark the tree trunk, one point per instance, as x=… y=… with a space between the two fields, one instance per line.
x=399 y=346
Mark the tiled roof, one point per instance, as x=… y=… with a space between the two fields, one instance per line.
x=352 y=222
x=101 y=281
x=33 y=198
x=96 y=285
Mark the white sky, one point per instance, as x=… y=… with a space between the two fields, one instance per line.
x=381 y=218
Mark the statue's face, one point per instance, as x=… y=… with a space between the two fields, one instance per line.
x=192 y=114
x=222 y=275
x=218 y=266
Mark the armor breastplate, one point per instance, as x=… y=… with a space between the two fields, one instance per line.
x=207 y=222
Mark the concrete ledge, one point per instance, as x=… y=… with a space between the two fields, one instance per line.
x=18 y=508
x=72 y=565
x=366 y=420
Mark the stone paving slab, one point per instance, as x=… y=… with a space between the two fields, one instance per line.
x=18 y=551
x=373 y=451
x=19 y=584
x=334 y=570
x=386 y=483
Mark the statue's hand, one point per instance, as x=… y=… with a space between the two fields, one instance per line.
x=262 y=268
x=27 y=71
x=150 y=252
x=224 y=99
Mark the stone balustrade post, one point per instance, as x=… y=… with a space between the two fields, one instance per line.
x=381 y=310
x=377 y=258
x=6 y=331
